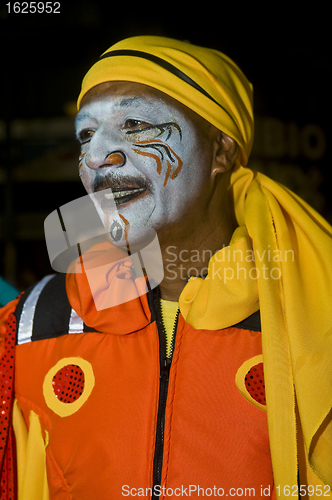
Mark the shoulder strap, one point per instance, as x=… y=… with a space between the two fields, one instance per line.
x=44 y=312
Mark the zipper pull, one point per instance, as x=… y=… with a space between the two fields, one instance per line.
x=164 y=369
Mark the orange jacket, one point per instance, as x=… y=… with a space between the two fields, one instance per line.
x=118 y=420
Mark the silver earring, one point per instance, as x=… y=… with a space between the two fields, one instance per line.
x=116 y=231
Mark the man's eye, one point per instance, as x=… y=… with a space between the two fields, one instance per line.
x=85 y=136
x=135 y=124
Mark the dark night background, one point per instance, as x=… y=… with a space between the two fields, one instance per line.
x=285 y=53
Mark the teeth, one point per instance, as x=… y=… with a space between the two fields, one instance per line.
x=120 y=194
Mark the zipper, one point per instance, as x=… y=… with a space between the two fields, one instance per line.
x=165 y=366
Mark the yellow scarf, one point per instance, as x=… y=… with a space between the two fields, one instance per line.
x=291 y=243
x=292 y=246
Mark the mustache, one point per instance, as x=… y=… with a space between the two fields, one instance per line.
x=119 y=183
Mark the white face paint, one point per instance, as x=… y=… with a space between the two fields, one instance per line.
x=144 y=147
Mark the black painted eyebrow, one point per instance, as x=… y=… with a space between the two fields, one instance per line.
x=131 y=101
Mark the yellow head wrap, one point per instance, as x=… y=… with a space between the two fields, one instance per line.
x=295 y=304
x=204 y=80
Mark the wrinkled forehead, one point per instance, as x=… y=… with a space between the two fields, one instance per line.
x=110 y=89
x=131 y=95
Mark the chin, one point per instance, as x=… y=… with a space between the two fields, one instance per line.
x=133 y=238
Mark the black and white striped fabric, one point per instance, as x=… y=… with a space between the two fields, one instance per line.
x=44 y=312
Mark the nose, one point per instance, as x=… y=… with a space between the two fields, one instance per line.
x=114 y=159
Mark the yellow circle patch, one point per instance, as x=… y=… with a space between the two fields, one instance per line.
x=67 y=385
x=254 y=391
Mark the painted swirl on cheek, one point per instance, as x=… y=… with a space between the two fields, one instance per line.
x=165 y=154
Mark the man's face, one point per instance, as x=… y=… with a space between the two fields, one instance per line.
x=154 y=154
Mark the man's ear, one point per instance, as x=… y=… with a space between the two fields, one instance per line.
x=225 y=154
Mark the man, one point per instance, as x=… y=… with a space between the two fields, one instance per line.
x=217 y=382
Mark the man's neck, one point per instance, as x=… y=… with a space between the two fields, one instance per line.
x=185 y=259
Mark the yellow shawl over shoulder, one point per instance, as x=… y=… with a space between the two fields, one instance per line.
x=292 y=245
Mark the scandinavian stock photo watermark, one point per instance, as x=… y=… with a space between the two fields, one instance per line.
x=227 y=264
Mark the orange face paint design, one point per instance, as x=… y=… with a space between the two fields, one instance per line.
x=80 y=161
x=127 y=225
x=117 y=159
x=173 y=161
x=151 y=155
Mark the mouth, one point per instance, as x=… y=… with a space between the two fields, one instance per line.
x=119 y=197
